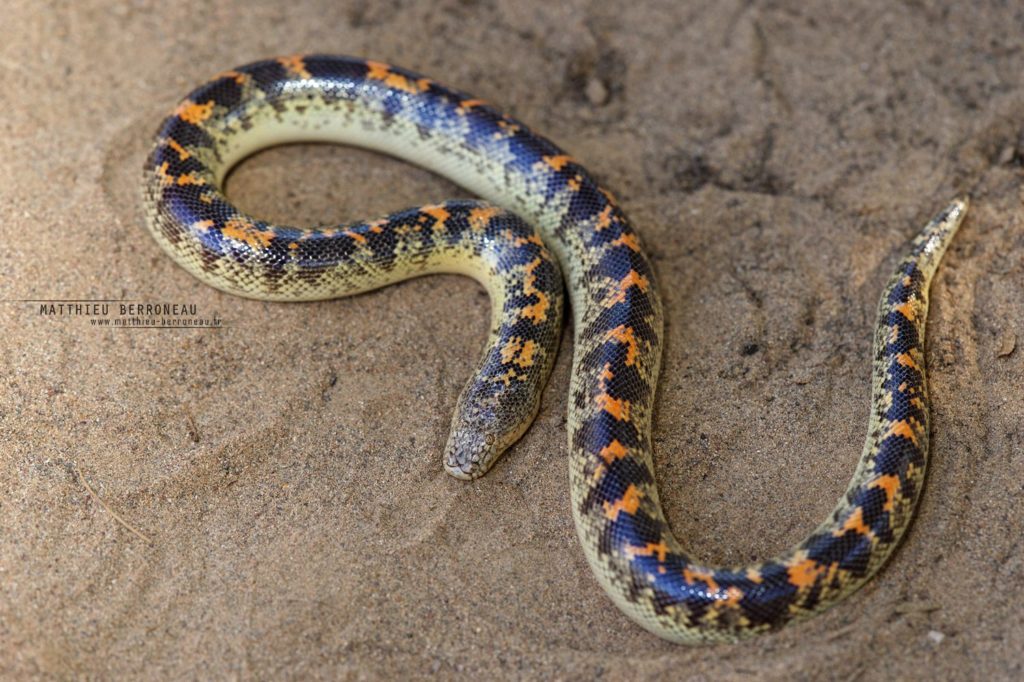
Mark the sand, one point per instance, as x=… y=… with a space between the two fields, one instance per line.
x=282 y=473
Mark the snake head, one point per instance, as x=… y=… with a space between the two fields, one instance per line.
x=470 y=452
x=488 y=419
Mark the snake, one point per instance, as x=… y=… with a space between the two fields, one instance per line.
x=539 y=219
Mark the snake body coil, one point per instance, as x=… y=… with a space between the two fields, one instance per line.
x=617 y=315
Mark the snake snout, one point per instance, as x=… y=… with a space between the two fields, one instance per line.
x=469 y=453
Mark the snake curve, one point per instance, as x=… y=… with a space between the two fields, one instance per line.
x=616 y=311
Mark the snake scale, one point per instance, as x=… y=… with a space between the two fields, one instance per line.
x=540 y=199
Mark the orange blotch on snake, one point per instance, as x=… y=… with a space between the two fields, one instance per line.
x=854 y=522
x=296 y=65
x=905 y=360
x=355 y=236
x=558 y=161
x=891 y=485
x=902 y=428
x=613 y=451
x=165 y=177
x=633 y=279
x=507 y=376
x=182 y=152
x=181 y=180
x=538 y=312
x=733 y=596
x=658 y=549
x=467 y=104
x=604 y=218
x=193 y=113
x=526 y=355
x=244 y=230
x=614 y=406
x=629 y=240
x=803 y=572
x=532 y=239
x=382 y=72
x=190 y=179
x=694 y=575
x=438 y=213
x=629 y=503
x=481 y=216
x=906 y=309
x=507 y=129
x=519 y=352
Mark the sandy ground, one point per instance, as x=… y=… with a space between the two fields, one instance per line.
x=776 y=156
